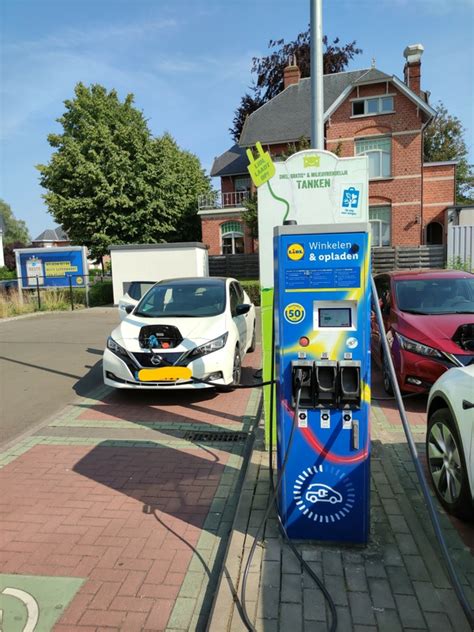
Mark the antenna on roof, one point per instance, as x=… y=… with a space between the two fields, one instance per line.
x=373 y=62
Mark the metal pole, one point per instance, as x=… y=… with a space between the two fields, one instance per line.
x=38 y=290
x=70 y=293
x=317 y=90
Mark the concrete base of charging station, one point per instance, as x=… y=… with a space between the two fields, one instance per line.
x=397 y=582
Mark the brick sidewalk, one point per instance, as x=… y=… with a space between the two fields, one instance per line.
x=398 y=582
x=114 y=518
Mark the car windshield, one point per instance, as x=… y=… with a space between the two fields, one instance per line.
x=436 y=296
x=190 y=300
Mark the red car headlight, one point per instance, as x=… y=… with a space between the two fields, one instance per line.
x=418 y=347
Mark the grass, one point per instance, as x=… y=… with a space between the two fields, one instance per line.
x=11 y=304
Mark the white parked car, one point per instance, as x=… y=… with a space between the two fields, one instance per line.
x=136 y=290
x=181 y=331
x=450 y=440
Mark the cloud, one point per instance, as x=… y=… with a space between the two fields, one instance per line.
x=78 y=38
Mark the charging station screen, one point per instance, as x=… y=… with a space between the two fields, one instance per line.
x=334 y=317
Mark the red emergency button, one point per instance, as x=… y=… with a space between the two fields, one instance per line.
x=304 y=341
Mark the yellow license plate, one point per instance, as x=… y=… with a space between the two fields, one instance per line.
x=165 y=374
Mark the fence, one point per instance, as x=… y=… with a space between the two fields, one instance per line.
x=461 y=245
x=74 y=290
x=408 y=257
x=237 y=266
x=383 y=260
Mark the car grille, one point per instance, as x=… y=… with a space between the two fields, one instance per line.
x=144 y=359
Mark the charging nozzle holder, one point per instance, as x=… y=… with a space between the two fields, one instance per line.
x=325 y=377
x=349 y=383
x=302 y=379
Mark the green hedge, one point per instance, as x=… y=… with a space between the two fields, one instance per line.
x=253 y=290
x=100 y=293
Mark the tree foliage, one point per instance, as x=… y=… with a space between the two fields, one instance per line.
x=444 y=140
x=9 y=253
x=13 y=229
x=269 y=71
x=110 y=182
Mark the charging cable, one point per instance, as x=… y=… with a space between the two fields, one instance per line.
x=270 y=504
x=458 y=589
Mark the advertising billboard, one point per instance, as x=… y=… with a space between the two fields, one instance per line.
x=51 y=267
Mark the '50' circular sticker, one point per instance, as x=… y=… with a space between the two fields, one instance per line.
x=294 y=313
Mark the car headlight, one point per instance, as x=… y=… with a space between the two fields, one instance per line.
x=116 y=348
x=418 y=347
x=209 y=347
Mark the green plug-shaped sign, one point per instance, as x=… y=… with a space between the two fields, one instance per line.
x=262 y=168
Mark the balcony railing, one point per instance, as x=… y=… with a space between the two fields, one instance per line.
x=219 y=200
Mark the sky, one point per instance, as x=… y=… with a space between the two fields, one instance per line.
x=188 y=63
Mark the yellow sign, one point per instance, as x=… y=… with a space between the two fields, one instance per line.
x=311 y=161
x=295 y=252
x=58 y=268
x=165 y=374
x=261 y=169
x=294 y=313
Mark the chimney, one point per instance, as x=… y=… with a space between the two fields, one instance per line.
x=292 y=73
x=412 y=70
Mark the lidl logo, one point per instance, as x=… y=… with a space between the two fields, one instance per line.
x=294 y=313
x=295 y=252
x=311 y=161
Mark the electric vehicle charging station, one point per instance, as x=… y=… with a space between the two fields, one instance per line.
x=322 y=316
x=316 y=295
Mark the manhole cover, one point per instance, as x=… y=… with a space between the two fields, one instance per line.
x=210 y=436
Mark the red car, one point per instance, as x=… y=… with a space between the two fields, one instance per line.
x=429 y=321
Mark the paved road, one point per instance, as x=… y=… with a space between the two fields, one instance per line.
x=45 y=361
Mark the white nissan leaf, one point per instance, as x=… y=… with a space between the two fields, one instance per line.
x=184 y=333
x=450 y=440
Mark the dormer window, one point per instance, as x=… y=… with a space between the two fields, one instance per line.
x=374 y=105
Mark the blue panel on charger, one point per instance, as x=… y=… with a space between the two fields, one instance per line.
x=325 y=489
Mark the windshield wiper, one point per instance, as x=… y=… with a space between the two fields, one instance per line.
x=415 y=311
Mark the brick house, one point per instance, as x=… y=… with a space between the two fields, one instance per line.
x=51 y=238
x=365 y=112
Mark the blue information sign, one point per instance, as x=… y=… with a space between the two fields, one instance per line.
x=52 y=267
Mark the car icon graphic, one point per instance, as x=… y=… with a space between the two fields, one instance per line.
x=321 y=493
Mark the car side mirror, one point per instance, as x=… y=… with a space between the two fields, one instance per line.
x=240 y=310
x=129 y=309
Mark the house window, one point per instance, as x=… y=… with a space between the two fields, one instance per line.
x=379 y=151
x=232 y=238
x=379 y=218
x=242 y=183
x=377 y=105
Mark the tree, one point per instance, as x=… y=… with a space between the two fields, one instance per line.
x=444 y=140
x=110 y=182
x=269 y=71
x=13 y=229
x=9 y=253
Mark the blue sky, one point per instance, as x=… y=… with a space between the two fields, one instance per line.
x=188 y=63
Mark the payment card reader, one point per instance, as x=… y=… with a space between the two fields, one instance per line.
x=322 y=335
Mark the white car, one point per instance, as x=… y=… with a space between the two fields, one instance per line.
x=181 y=332
x=450 y=440
x=135 y=291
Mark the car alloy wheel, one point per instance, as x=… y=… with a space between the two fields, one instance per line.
x=387 y=382
x=253 y=344
x=447 y=465
x=237 y=367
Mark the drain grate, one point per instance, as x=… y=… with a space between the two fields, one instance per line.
x=213 y=436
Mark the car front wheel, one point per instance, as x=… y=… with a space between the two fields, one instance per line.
x=236 y=367
x=387 y=382
x=447 y=465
